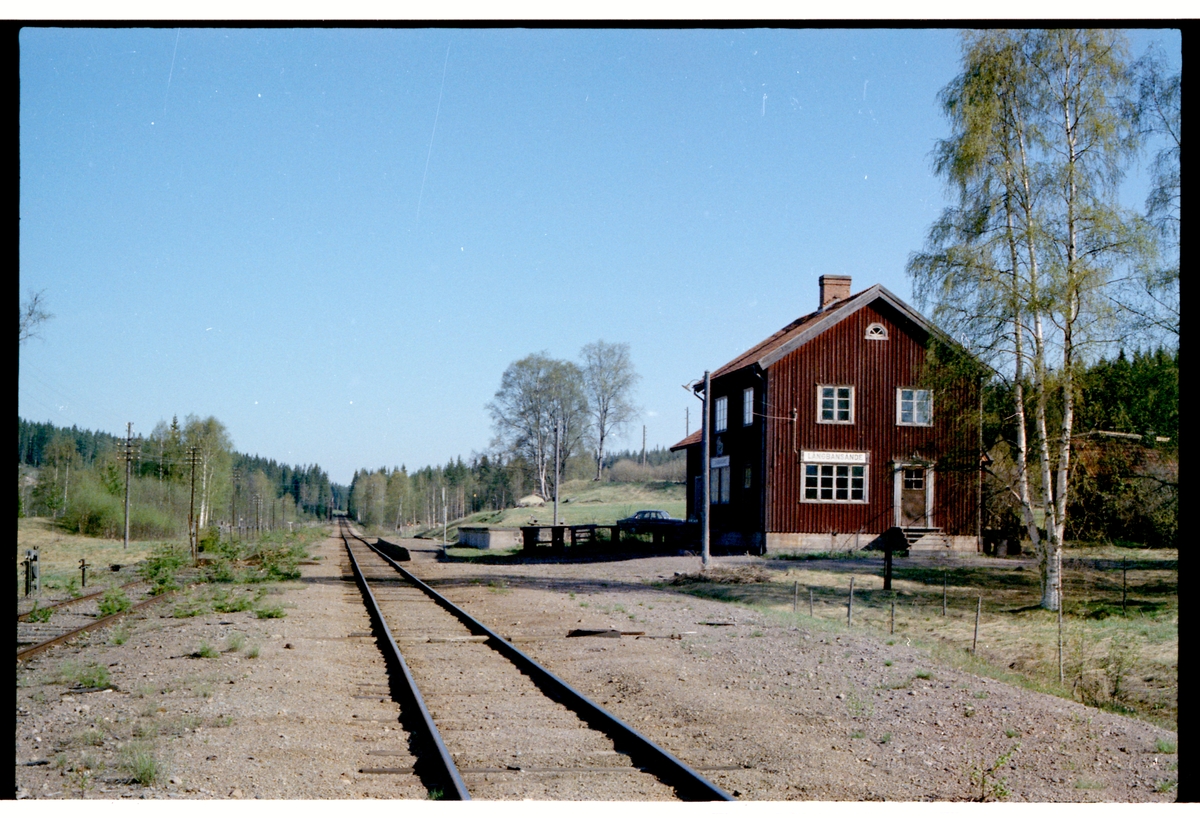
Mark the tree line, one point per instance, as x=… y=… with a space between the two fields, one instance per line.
x=78 y=478
x=1036 y=266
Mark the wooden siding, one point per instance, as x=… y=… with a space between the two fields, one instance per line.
x=876 y=369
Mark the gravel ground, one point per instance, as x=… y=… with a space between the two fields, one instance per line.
x=772 y=706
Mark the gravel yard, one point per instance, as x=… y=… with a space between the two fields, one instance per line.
x=772 y=706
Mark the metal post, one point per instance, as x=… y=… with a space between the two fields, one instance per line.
x=975 y=638
x=443 y=518
x=83 y=572
x=706 y=457
x=850 y=605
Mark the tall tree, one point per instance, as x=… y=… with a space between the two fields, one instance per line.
x=32 y=314
x=538 y=395
x=608 y=381
x=214 y=456
x=1023 y=265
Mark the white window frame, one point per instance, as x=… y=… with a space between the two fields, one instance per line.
x=836 y=397
x=898 y=485
x=719 y=478
x=823 y=479
x=876 y=332
x=748 y=406
x=914 y=401
x=721 y=414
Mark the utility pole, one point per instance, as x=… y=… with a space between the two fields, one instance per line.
x=233 y=518
x=444 y=539
x=193 y=455
x=643 y=444
x=128 y=470
x=687 y=421
x=706 y=457
x=556 y=471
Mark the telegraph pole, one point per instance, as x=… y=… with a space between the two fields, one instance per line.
x=193 y=453
x=128 y=470
x=706 y=457
x=556 y=471
x=233 y=519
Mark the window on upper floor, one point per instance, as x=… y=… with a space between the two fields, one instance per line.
x=835 y=404
x=914 y=407
x=721 y=417
x=877 y=332
x=748 y=406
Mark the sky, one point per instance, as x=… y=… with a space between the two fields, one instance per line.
x=336 y=240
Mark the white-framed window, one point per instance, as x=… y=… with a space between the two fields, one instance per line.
x=914 y=407
x=835 y=477
x=877 y=332
x=748 y=406
x=748 y=477
x=721 y=418
x=835 y=404
x=718 y=475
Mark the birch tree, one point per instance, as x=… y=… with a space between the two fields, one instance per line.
x=1022 y=266
x=213 y=462
x=538 y=394
x=608 y=382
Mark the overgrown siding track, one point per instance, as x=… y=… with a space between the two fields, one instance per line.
x=509 y=729
x=74 y=617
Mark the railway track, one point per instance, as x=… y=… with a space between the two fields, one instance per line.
x=487 y=721
x=73 y=617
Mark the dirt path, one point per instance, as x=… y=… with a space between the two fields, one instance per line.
x=791 y=708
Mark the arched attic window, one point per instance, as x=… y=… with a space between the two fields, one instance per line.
x=877 y=332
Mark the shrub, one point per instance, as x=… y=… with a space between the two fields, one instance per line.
x=114 y=601
x=40 y=614
x=160 y=568
x=270 y=612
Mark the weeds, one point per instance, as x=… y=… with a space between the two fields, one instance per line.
x=119 y=636
x=270 y=612
x=161 y=567
x=114 y=601
x=206 y=651
x=252 y=652
x=990 y=787
x=91 y=675
x=235 y=642
x=885 y=738
x=91 y=737
x=1164 y=746
x=139 y=761
x=434 y=795
x=40 y=614
x=922 y=674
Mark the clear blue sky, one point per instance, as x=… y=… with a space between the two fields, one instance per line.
x=335 y=241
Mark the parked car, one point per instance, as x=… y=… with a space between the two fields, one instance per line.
x=649 y=521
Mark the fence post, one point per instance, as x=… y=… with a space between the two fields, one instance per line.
x=943 y=592
x=1124 y=585
x=795 y=594
x=1061 y=677
x=850 y=605
x=892 y=624
x=810 y=601
x=975 y=639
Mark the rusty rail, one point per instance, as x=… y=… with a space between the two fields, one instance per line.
x=25 y=653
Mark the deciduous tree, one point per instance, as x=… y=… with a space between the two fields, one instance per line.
x=608 y=382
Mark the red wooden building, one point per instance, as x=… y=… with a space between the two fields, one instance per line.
x=835 y=429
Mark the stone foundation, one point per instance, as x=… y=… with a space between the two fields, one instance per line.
x=780 y=541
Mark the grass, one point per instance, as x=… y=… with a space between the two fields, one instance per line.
x=40 y=614
x=207 y=651
x=119 y=635
x=1126 y=664
x=270 y=612
x=139 y=761
x=1165 y=747
x=59 y=552
x=235 y=642
x=89 y=675
x=252 y=652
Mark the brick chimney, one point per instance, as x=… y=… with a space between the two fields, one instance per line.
x=833 y=288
